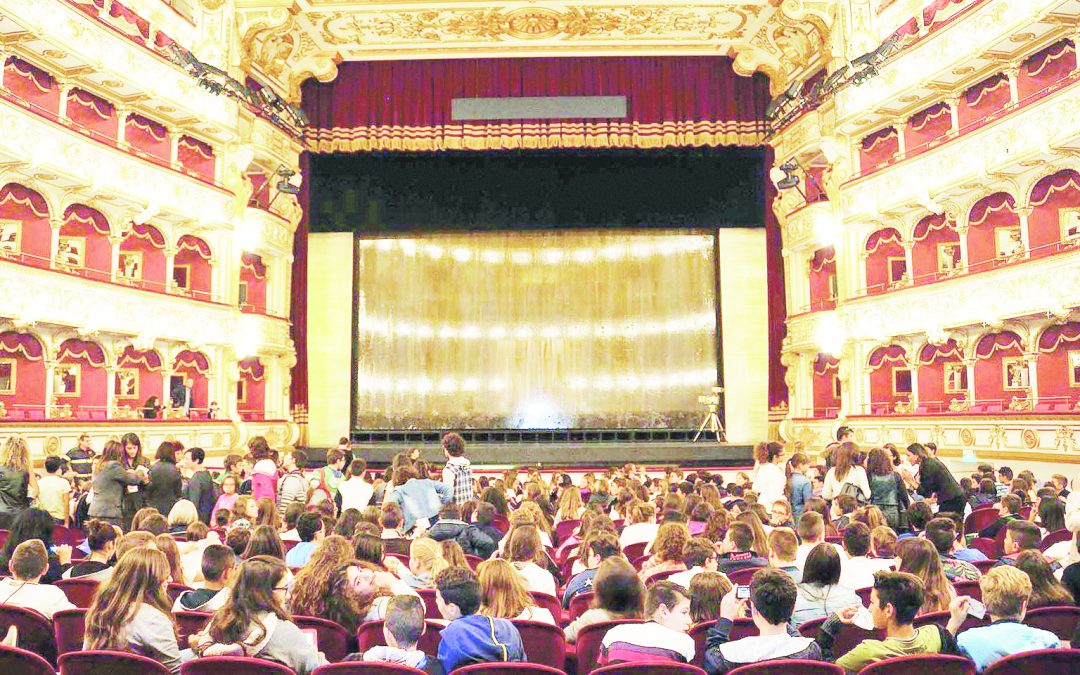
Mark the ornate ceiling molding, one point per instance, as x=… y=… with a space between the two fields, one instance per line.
x=284 y=44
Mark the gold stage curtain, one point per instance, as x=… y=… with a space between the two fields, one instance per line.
x=535 y=329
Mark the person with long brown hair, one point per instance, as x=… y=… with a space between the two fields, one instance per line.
x=642 y=527
x=131 y=611
x=264 y=541
x=308 y=594
x=770 y=480
x=667 y=550
x=503 y=594
x=167 y=545
x=570 y=505
x=761 y=538
x=1046 y=590
x=707 y=589
x=254 y=622
x=887 y=489
x=132 y=459
x=846 y=476
x=527 y=554
x=919 y=558
x=617 y=594
x=110 y=482
x=18 y=483
x=245 y=509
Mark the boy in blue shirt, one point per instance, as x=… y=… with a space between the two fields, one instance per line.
x=471 y=638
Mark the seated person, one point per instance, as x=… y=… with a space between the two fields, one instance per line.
x=894 y=602
x=738 y=549
x=402 y=629
x=29 y=562
x=1005 y=592
x=662 y=638
x=470 y=637
x=811 y=531
x=820 y=592
x=485 y=516
x=772 y=602
x=1008 y=511
x=218 y=563
x=1020 y=536
x=451 y=526
x=309 y=527
x=698 y=555
x=595 y=550
x=618 y=594
x=842 y=511
x=942 y=534
x=101 y=538
x=857 y=570
x=391 y=518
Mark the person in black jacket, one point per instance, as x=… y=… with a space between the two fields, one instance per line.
x=166 y=484
x=200 y=489
x=451 y=526
x=935 y=480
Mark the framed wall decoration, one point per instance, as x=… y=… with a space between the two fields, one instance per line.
x=956 y=381
x=71 y=253
x=1074 y=367
x=242 y=295
x=1008 y=243
x=948 y=257
x=897 y=269
x=1014 y=373
x=7 y=376
x=67 y=379
x=1070 y=225
x=10 y=237
x=241 y=391
x=836 y=387
x=181 y=277
x=901 y=381
x=126 y=383
x=129 y=266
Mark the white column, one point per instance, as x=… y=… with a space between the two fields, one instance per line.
x=54 y=245
x=962 y=233
x=65 y=90
x=969 y=364
x=50 y=390
x=913 y=366
x=1014 y=92
x=954 y=115
x=909 y=260
x=110 y=391
x=1033 y=375
x=114 y=265
x=174 y=146
x=1023 y=212
x=122 y=113
x=170 y=265
x=899 y=125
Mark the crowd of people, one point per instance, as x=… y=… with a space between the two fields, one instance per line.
x=872 y=538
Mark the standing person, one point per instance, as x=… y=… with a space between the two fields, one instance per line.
x=200 y=489
x=420 y=499
x=264 y=473
x=936 y=482
x=355 y=492
x=846 y=477
x=292 y=488
x=183 y=396
x=166 y=483
x=770 y=480
x=81 y=457
x=799 y=489
x=134 y=496
x=227 y=499
x=457 y=474
x=111 y=482
x=331 y=474
x=54 y=491
x=17 y=482
x=887 y=491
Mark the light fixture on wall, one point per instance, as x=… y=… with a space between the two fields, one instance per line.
x=785 y=178
x=289 y=181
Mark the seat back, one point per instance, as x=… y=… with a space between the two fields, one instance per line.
x=564 y=529
x=656 y=668
x=635 y=551
x=69 y=626
x=473 y=560
x=788 y=667
x=653 y=577
x=864 y=595
x=589 y=640
x=370 y=634
x=190 y=623
x=1038 y=661
x=580 y=603
x=986 y=546
x=67 y=535
x=812 y=627
x=1061 y=621
x=742 y=577
x=968 y=588
x=1055 y=537
x=917 y=664
x=544 y=643
x=431 y=607
x=233 y=665
x=942 y=619
x=14 y=660
x=334 y=641
x=109 y=663
x=980 y=519
x=984 y=565
x=548 y=602
x=174 y=591
x=740 y=629
x=366 y=668
x=35 y=631
x=502 y=668
x=849 y=636
x=79 y=592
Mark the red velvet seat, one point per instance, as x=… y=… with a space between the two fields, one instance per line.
x=366 y=668
x=334 y=641
x=788 y=667
x=507 y=669
x=69 y=626
x=850 y=635
x=1061 y=621
x=580 y=603
x=1045 y=661
x=431 y=607
x=548 y=602
x=653 y=577
x=175 y=590
x=79 y=592
x=658 y=668
x=864 y=595
x=918 y=664
x=942 y=619
x=968 y=588
x=544 y=643
x=984 y=565
x=634 y=551
x=1055 y=537
x=588 y=643
x=14 y=660
x=639 y=561
x=190 y=623
x=233 y=665
x=67 y=535
x=473 y=560
x=35 y=631
x=370 y=634
x=110 y=663
x=811 y=628
x=740 y=629
x=564 y=529
x=985 y=546
x=742 y=577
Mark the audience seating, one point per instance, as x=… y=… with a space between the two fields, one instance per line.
x=430 y=605
x=635 y=551
x=35 y=631
x=370 y=634
x=174 y=591
x=864 y=595
x=563 y=530
x=740 y=629
x=548 y=602
x=190 y=623
x=233 y=665
x=639 y=562
x=67 y=535
x=588 y=643
x=1055 y=537
x=404 y=558
x=79 y=592
x=334 y=641
x=544 y=644
x=968 y=588
x=502 y=668
x=366 y=668
x=1038 y=661
x=69 y=626
x=653 y=577
x=580 y=603
x=938 y=664
x=980 y=518
x=22 y=662
x=473 y=560
x=986 y=546
x=850 y=635
x=788 y=667
x=1061 y=621
x=742 y=577
x=3 y=536
x=660 y=668
x=942 y=619
x=984 y=565
x=101 y=662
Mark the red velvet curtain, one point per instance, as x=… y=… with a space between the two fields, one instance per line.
x=777 y=294
x=298 y=388
x=878 y=149
x=406 y=105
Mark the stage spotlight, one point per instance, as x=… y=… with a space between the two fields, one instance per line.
x=833 y=81
x=784 y=175
x=289 y=182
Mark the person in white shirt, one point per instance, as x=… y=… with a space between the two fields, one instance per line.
x=524 y=550
x=503 y=594
x=770 y=480
x=28 y=564
x=355 y=491
x=662 y=638
x=699 y=555
x=845 y=473
x=857 y=570
x=54 y=491
x=642 y=528
x=812 y=532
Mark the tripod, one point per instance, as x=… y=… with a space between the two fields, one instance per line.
x=712 y=419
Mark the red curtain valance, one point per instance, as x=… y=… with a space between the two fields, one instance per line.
x=190 y=359
x=1054 y=336
x=14 y=193
x=821 y=258
x=204 y=150
x=41 y=79
x=930 y=224
x=871 y=141
x=932 y=352
x=149 y=126
x=825 y=363
x=992 y=343
x=79 y=213
x=1067 y=179
x=252 y=369
x=881 y=238
x=192 y=243
x=22 y=345
x=254 y=264
x=1040 y=60
x=921 y=119
x=82 y=351
x=991 y=204
x=95 y=104
x=406 y=105
x=885 y=355
x=129 y=22
x=150 y=233
x=147 y=360
x=976 y=93
x=930 y=12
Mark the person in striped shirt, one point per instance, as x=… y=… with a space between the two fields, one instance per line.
x=662 y=638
